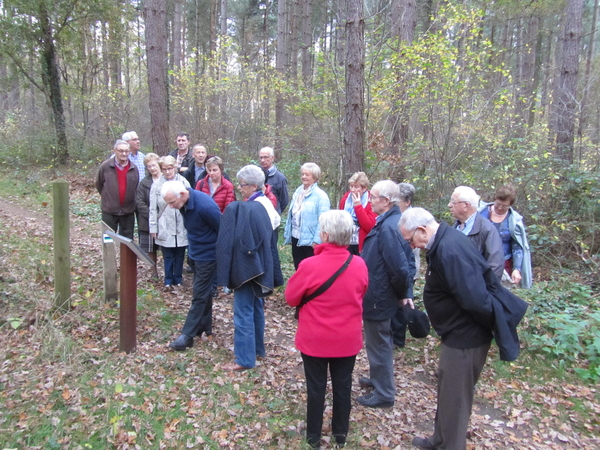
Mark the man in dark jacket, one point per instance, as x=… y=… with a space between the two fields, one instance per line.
x=274 y=178
x=481 y=232
x=458 y=296
x=117 y=182
x=390 y=282
x=182 y=153
x=201 y=217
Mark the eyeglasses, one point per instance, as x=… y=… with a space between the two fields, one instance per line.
x=460 y=201
x=500 y=206
x=410 y=241
x=243 y=184
x=376 y=196
x=164 y=169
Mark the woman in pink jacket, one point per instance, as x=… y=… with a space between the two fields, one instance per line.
x=329 y=326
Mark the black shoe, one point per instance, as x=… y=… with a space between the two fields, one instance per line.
x=422 y=443
x=370 y=401
x=214 y=293
x=365 y=382
x=181 y=343
x=189 y=269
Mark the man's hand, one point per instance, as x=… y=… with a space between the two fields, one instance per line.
x=407 y=301
x=516 y=276
x=153 y=235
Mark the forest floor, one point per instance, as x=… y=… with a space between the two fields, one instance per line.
x=64 y=383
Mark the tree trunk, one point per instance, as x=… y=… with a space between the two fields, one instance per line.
x=155 y=13
x=565 y=93
x=354 y=135
x=404 y=22
x=51 y=77
x=306 y=44
x=281 y=63
x=588 y=70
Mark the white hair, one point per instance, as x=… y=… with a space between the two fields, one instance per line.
x=129 y=135
x=467 y=194
x=387 y=189
x=415 y=217
x=172 y=187
x=268 y=149
x=338 y=224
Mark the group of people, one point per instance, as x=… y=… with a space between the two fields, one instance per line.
x=355 y=269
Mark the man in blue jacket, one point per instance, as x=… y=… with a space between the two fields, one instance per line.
x=201 y=217
x=391 y=272
x=458 y=295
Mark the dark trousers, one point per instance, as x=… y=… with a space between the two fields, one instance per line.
x=459 y=370
x=173 y=258
x=199 y=318
x=301 y=252
x=315 y=370
x=398 y=326
x=122 y=225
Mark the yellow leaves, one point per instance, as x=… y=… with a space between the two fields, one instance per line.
x=66 y=394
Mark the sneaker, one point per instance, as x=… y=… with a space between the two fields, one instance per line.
x=422 y=443
x=371 y=401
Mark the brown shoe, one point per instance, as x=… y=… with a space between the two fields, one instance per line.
x=234 y=367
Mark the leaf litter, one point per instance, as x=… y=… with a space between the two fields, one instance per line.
x=67 y=371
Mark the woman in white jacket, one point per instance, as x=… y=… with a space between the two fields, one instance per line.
x=166 y=224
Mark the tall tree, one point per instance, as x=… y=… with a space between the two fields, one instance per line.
x=155 y=17
x=354 y=132
x=565 y=93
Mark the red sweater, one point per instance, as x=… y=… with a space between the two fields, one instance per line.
x=366 y=219
x=330 y=325
x=223 y=195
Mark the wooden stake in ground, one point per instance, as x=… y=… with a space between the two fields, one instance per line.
x=109 y=266
x=62 y=250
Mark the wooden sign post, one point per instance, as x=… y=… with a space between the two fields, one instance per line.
x=62 y=247
x=130 y=253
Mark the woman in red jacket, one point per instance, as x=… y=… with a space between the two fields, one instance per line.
x=329 y=326
x=215 y=184
x=357 y=203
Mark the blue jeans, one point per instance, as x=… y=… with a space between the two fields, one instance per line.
x=249 y=326
x=199 y=318
x=173 y=258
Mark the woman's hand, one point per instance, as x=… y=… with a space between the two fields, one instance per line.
x=516 y=276
x=356 y=198
x=153 y=235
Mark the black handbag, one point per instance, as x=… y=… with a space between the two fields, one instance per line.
x=323 y=287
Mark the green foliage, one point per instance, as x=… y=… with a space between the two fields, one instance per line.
x=564 y=325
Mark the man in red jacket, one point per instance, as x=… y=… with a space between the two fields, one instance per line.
x=117 y=182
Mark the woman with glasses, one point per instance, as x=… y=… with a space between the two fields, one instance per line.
x=517 y=256
x=166 y=224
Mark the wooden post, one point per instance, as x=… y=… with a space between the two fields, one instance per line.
x=62 y=251
x=109 y=266
x=128 y=313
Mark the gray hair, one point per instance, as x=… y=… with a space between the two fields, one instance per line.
x=167 y=161
x=313 y=169
x=269 y=149
x=387 y=189
x=252 y=175
x=172 y=187
x=415 y=217
x=120 y=142
x=129 y=135
x=338 y=224
x=407 y=192
x=467 y=194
